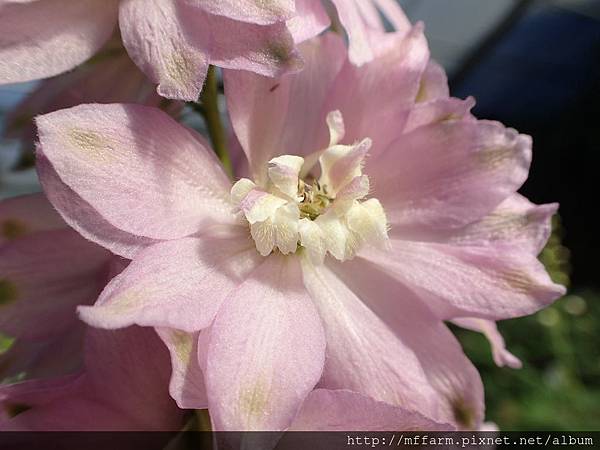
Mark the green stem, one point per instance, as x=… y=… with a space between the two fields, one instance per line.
x=212 y=117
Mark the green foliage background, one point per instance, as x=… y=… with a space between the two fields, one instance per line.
x=558 y=387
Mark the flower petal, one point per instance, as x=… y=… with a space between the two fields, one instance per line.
x=82 y=217
x=43 y=277
x=177 y=284
x=284 y=116
x=449 y=174
x=343 y=410
x=266 y=350
x=495 y=282
x=448 y=370
x=142 y=171
x=363 y=354
x=360 y=50
x=41 y=39
x=502 y=357
x=515 y=222
x=310 y=20
x=259 y=12
x=187 y=380
x=383 y=91
x=157 y=39
x=25 y=215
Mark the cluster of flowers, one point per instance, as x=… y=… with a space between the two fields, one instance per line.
x=308 y=293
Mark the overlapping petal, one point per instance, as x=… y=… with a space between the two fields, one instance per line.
x=115 y=158
x=178 y=284
x=459 y=391
x=284 y=116
x=363 y=353
x=449 y=174
x=266 y=350
x=510 y=282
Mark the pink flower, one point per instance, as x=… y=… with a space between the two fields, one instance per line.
x=338 y=278
x=172 y=41
x=46 y=271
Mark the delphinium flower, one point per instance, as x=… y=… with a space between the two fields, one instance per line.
x=46 y=271
x=376 y=208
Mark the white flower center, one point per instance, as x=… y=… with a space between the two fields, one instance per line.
x=324 y=215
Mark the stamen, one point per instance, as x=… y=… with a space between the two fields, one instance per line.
x=325 y=215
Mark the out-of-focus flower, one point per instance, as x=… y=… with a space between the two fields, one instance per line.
x=110 y=76
x=46 y=271
x=325 y=307
x=123 y=386
x=172 y=41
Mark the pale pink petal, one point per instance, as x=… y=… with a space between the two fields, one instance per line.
x=502 y=357
x=142 y=171
x=448 y=174
x=81 y=216
x=363 y=354
x=343 y=410
x=360 y=50
x=266 y=350
x=160 y=44
x=310 y=20
x=448 y=370
x=284 y=116
x=438 y=110
x=383 y=91
x=173 y=42
x=268 y=50
x=45 y=38
x=27 y=214
x=495 y=282
x=44 y=276
x=177 y=284
x=259 y=12
x=187 y=380
x=515 y=222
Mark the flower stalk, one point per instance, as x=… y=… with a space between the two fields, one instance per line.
x=210 y=111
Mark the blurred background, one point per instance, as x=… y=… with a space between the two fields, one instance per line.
x=535 y=66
